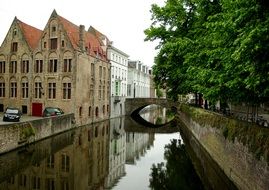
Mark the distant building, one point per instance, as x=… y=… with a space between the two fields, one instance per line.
x=118 y=77
x=138 y=80
x=62 y=66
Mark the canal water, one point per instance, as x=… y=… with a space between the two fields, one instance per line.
x=116 y=154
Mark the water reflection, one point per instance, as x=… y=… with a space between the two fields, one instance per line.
x=178 y=171
x=157 y=114
x=100 y=156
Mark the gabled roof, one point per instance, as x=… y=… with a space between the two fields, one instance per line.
x=31 y=34
x=99 y=35
x=92 y=44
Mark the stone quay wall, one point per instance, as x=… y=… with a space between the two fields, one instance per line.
x=231 y=144
x=15 y=135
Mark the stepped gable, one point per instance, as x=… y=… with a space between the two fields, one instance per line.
x=91 y=42
x=31 y=34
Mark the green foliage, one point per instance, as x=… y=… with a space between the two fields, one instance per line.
x=27 y=131
x=219 y=48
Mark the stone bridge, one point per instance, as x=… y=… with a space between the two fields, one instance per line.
x=134 y=104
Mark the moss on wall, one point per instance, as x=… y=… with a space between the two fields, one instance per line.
x=26 y=131
x=255 y=137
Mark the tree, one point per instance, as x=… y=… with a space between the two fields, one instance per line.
x=218 y=48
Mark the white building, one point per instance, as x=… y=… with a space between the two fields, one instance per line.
x=119 y=69
x=138 y=80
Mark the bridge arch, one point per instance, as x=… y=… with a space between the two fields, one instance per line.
x=136 y=104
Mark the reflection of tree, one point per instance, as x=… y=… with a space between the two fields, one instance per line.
x=178 y=173
x=159 y=121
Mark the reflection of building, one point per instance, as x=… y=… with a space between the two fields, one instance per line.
x=138 y=80
x=64 y=65
x=154 y=114
x=83 y=164
x=136 y=145
x=117 y=151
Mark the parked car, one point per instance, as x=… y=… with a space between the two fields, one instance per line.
x=52 y=111
x=12 y=114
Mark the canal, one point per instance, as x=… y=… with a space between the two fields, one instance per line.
x=116 y=154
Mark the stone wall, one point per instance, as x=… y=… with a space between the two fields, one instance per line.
x=15 y=135
x=238 y=162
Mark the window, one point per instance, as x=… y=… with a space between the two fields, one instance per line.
x=64 y=185
x=62 y=43
x=92 y=69
x=100 y=92
x=104 y=109
x=65 y=163
x=13 y=89
x=13 y=67
x=91 y=91
x=66 y=90
x=45 y=45
x=39 y=66
x=117 y=88
x=2 y=66
x=80 y=111
x=50 y=184
x=36 y=182
x=53 y=43
x=128 y=90
x=104 y=73
x=14 y=47
x=67 y=65
x=100 y=72
x=25 y=89
x=96 y=112
x=104 y=91
x=2 y=89
x=52 y=90
x=25 y=66
x=22 y=180
x=14 y=32
x=38 y=89
x=90 y=110
x=52 y=66
x=50 y=161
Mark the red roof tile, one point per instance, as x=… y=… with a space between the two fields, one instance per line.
x=91 y=42
x=31 y=34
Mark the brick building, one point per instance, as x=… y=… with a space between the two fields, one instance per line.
x=63 y=66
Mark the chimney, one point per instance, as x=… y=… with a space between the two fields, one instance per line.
x=82 y=37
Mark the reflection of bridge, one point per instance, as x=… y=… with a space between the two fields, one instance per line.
x=131 y=126
x=133 y=104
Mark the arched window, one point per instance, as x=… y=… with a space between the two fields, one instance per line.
x=2 y=87
x=80 y=111
x=90 y=110
x=96 y=112
x=38 y=88
x=24 y=88
x=13 y=88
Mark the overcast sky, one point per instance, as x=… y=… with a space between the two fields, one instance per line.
x=122 y=21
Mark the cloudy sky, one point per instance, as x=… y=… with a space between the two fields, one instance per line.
x=122 y=21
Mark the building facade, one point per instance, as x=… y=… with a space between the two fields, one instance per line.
x=118 y=77
x=119 y=71
x=138 y=82
x=62 y=66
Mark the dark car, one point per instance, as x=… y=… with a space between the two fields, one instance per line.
x=52 y=111
x=12 y=114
